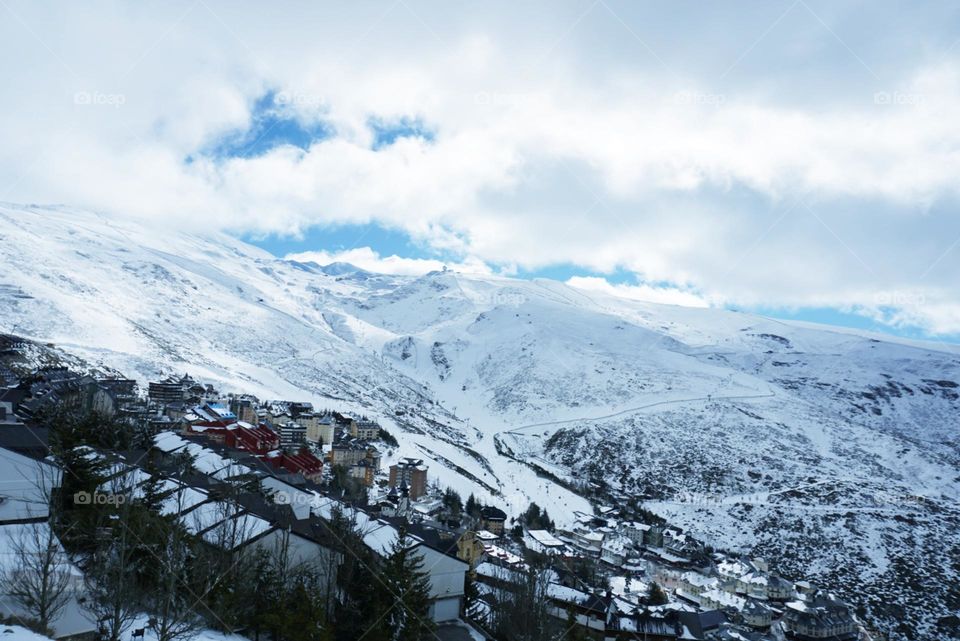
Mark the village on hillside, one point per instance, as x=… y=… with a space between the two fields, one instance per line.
x=243 y=473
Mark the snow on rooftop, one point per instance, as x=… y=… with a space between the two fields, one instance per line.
x=206 y=515
x=17 y=633
x=695 y=578
x=623 y=586
x=27 y=536
x=237 y=530
x=506 y=556
x=169 y=442
x=180 y=499
x=22 y=494
x=565 y=594
x=543 y=537
x=722 y=599
x=493 y=571
x=381 y=538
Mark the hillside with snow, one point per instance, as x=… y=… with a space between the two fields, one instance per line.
x=834 y=454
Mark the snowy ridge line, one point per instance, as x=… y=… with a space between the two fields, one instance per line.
x=468 y=366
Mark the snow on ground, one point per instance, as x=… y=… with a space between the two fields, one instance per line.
x=18 y=633
x=726 y=421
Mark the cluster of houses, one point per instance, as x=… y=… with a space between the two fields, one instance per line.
x=289 y=449
x=291 y=436
x=711 y=596
x=61 y=386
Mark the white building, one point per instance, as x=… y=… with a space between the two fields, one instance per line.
x=543 y=542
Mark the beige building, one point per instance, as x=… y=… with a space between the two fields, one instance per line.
x=470 y=549
x=365 y=430
x=320 y=430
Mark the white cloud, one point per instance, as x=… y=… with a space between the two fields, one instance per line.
x=370 y=260
x=646 y=293
x=788 y=174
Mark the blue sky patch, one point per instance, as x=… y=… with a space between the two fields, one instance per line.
x=341 y=238
x=387 y=132
x=387 y=242
x=272 y=125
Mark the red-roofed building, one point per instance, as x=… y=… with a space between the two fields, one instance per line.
x=303 y=462
x=256 y=439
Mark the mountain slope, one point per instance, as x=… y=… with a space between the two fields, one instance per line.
x=834 y=453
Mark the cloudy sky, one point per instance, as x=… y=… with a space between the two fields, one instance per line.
x=799 y=158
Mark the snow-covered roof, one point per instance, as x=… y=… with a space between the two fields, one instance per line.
x=723 y=599
x=180 y=498
x=236 y=531
x=697 y=579
x=169 y=442
x=24 y=486
x=501 y=554
x=205 y=460
x=623 y=586
x=543 y=537
x=565 y=594
x=493 y=571
x=27 y=537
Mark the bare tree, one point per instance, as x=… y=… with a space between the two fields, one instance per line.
x=111 y=577
x=39 y=574
x=226 y=564
x=171 y=602
x=521 y=611
x=39 y=579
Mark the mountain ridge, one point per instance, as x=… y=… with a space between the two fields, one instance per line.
x=698 y=412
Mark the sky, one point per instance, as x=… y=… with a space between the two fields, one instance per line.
x=796 y=158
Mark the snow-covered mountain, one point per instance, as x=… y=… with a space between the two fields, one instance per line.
x=833 y=453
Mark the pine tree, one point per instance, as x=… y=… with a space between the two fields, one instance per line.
x=112 y=571
x=69 y=433
x=408 y=587
x=170 y=602
x=473 y=507
x=452 y=501
x=532 y=516
x=363 y=602
x=305 y=619
x=657 y=596
x=152 y=496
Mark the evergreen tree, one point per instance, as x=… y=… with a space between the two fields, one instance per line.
x=170 y=602
x=111 y=573
x=473 y=507
x=70 y=435
x=452 y=501
x=471 y=594
x=536 y=518
x=306 y=615
x=264 y=585
x=408 y=588
x=363 y=604
x=657 y=596
x=152 y=489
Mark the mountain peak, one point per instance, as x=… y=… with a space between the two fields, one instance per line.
x=340 y=268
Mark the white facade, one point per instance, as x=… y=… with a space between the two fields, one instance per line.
x=447 y=576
